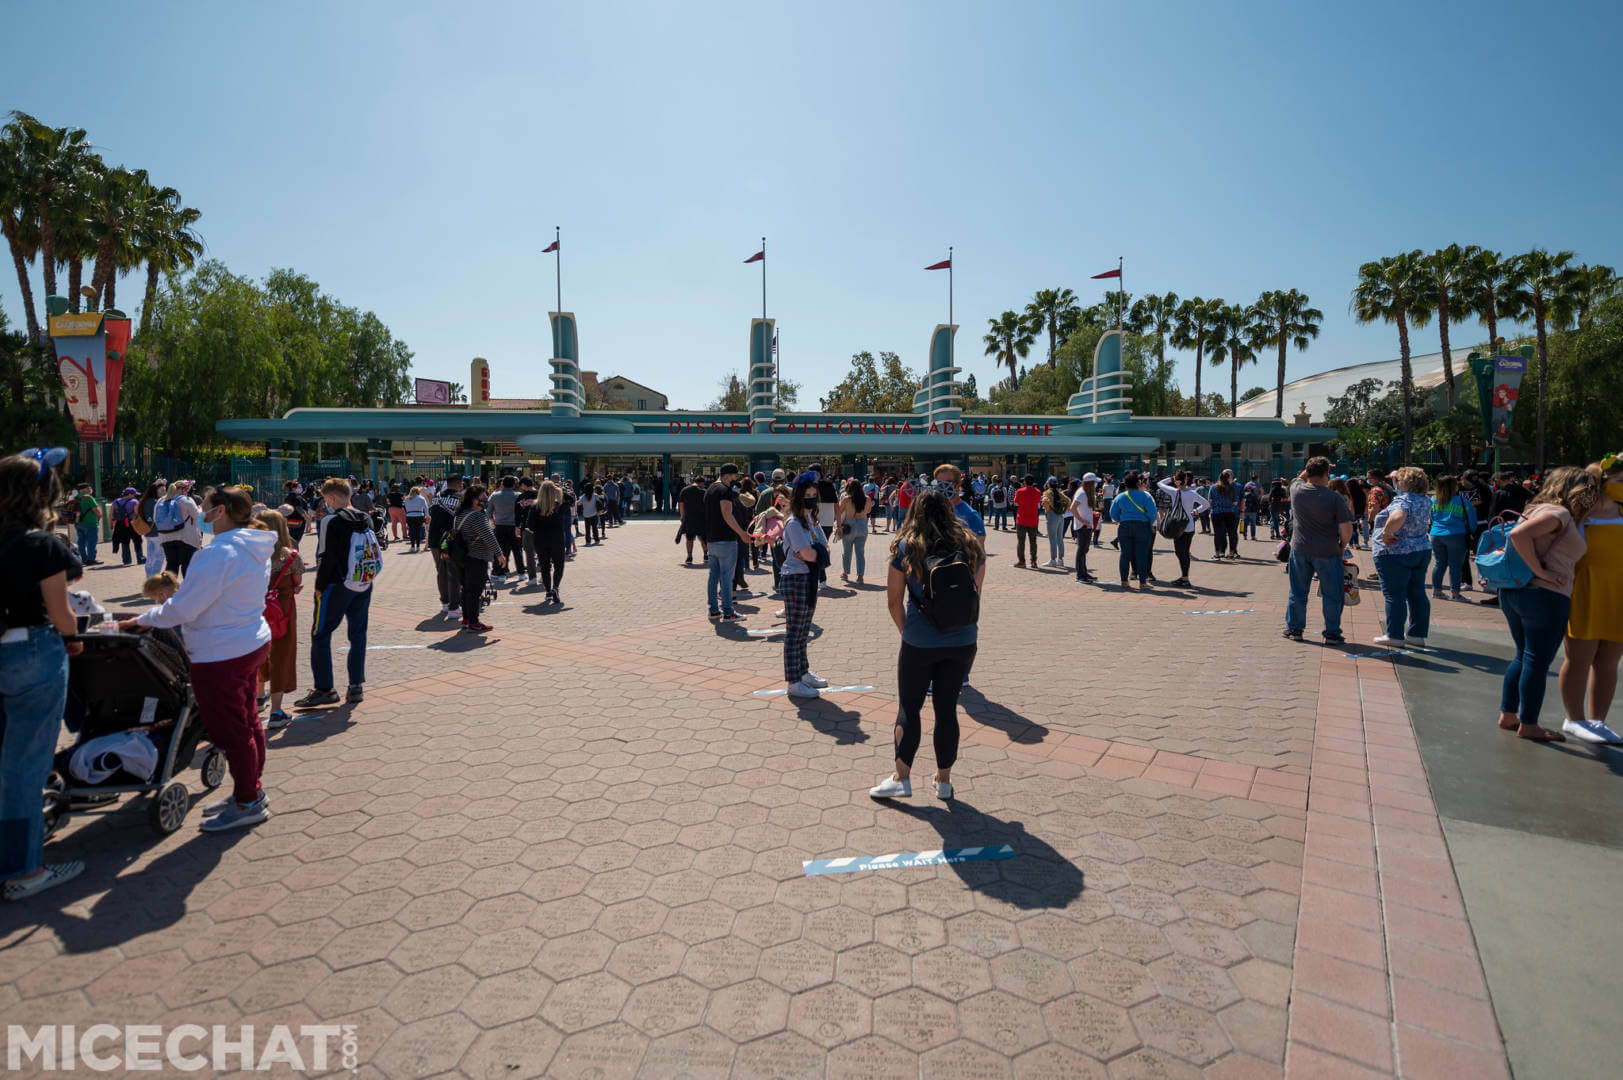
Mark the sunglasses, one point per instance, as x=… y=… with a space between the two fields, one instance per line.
x=49 y=458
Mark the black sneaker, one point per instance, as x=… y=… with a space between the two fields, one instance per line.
x=1294 y=635
x=734 y=617
x=317 y=698
x=355 y=694
x=1334 y=638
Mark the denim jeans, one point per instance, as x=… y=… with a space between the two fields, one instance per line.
x=1538 y=623
x=1000 y=517
x=154 y=554
x=722 y=558
x=34 y=690
x=1450 y=552
x=335 y=603
x=1303 y=569
x=1135 y=538
x=854 y=542
x=87 y=542
x=1249 y=525
x=1056 y=536
x=1403 y=586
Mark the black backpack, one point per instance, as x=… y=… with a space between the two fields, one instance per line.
x=948 y=595
x=454 y=544
x=1175 y=522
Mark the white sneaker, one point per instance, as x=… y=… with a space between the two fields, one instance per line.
x=454 y=613
x=445 y=609
x=1415 y=642
x=892 y=788
x=1590 y=731
x=1382 y=639
x=943 y=789
x=780 y=613
x=802 y=690
x=813 y=679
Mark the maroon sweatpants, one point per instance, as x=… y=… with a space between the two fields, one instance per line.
x=226 y=691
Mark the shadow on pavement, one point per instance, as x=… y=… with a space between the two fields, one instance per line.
x=829 y=719
x=313 y=726
x=988 y=713
x=1037 y=877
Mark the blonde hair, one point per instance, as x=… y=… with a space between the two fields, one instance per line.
x=163 y=582
x=1571 y=487
x=273 y=521
x=336 y=485
x=547 y=498
x=1413 y=479
x=415 y=491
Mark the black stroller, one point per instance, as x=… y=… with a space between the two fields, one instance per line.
x=125 y=681
x=380 y=528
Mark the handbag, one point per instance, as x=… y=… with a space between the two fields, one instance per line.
x=275 y=614
x=140 y=524
x=1175 y=522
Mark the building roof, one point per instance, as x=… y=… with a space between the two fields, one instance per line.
x=1315 y=391
x=630 y=382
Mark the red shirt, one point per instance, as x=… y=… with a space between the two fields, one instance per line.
x=1027 y=503
x=904 y=495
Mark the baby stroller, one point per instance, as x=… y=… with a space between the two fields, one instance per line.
x=380 y=527
x=134 y=681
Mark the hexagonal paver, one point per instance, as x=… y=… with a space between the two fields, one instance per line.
x=697 y=1052
x=874 y=969
x=952 y=973
x=669 y=1005
x=574 y=954
x=1095 y=1027
x=429 y=993
x=1191 y=1034
x=838 y=928
x=720 y=962
x=1114 y=978
x=585 y=1002
x=831 y=1015
x=498 y=1000
x=426 y=1047
x=1194 y=982
x=747 y=1010
x=611 y=1052
x=965 y=1058
x=915 y=1019
x=871 y=1056
x=909 y=931
x=797 y=966
x=519 y=1050
x=983 y=934
x=1051 y=1061
x=787 y=1055
x=1002 y=1022
x=767 y=925
x=1130 y=938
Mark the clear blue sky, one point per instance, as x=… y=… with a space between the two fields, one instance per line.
x=414 y=158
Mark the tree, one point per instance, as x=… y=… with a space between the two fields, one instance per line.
x=1354 y=408
x=1543 y=285
x=968 y=393
x=1398 y=289
x=1047 y=310
x=1156 y=316
x=786 y=394
x=885 y=386
x=458 y=393
x=55 y=161
x=1452 y=269
x=1192 y=329
x=1585 y=389
x=169 y=246
x=1592 y=285
x=1255 y=391
x=1492 y=295
x=1233 y=342
x=14 y=215
x=734 y=396
x=1361 y=443
x=1284 y=318
x=1008 y=340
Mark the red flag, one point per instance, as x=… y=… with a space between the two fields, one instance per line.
x=944 y=264
x=757 y=257
x=550 y=247
x=1107 y=273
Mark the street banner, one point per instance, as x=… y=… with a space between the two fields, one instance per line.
x=433 y=392
x=82 y=344
x=1507 y=383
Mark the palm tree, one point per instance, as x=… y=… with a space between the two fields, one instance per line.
x=1591 y=285
x=1156 y=315
x=458 y=393
x=1452 y=269
x=1491 y=296
x=125 y=205
x=1397 y=289
x=1545 y=286
x=169 y=246
x=14 y=217
x=1193 y=328
x=1234 y=337
x=1049 y=310
x=1287 y=320
x=55 y=160
x=1008 y=339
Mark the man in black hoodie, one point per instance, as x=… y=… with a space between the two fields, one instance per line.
x=447 y=574
x=337 y=600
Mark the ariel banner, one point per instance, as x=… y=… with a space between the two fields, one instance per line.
x=90 y=360
x=1506 y=386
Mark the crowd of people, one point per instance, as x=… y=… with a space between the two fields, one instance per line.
x=225 y=573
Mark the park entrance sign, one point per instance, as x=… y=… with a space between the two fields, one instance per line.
x=1098 y=430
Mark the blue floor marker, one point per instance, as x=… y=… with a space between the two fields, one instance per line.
x=851 y=864
x=824 y=690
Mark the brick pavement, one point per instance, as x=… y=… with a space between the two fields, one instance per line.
x=573 y=848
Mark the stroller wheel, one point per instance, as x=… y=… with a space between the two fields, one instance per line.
x=213 y=769
x=56 y=804
x=168 y=807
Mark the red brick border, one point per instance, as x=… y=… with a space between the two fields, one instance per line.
x=1386 y=978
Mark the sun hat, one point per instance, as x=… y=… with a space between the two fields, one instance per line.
x=131 y=491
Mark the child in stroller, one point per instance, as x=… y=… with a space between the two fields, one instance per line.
x=380 y=527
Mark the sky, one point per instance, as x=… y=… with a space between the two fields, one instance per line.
x=414 y=159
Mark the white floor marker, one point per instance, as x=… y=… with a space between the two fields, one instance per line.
x=824 y=690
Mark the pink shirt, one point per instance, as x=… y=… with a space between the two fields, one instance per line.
x=1559 y=551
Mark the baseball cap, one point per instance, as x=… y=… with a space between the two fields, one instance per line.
x=1090 y=476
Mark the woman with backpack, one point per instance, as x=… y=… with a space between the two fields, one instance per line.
x=220 y=608
x=853 y=525
x=174 y=519
x=126 y=541
x=1550 y=543
x=1181 y=488
x=937 y=568
x=805 y=551
x=474 y=547
x=280 y=672
x=1453 y=520
x=1056 y=505
x=150 y=541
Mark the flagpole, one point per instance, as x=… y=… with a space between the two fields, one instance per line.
x=950 y=356
x=558 y=253
x=1121 y=289
x=765 y=328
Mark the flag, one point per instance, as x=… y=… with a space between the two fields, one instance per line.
x=1108 y=273
x=550 y=247
x=774 y=344
x=944 y=264
x=757 y=257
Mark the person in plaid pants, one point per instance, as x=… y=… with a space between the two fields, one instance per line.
x=804 y=546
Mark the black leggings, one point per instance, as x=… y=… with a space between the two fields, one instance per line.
x=1180 y=548
x=1226 y=533
x=1084 y=538
x=177 y=556
x=917 y=670
x=507 y=539
x=474 y=574
x=552 y=565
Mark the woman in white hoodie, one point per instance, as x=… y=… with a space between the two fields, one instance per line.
x=220 y=608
